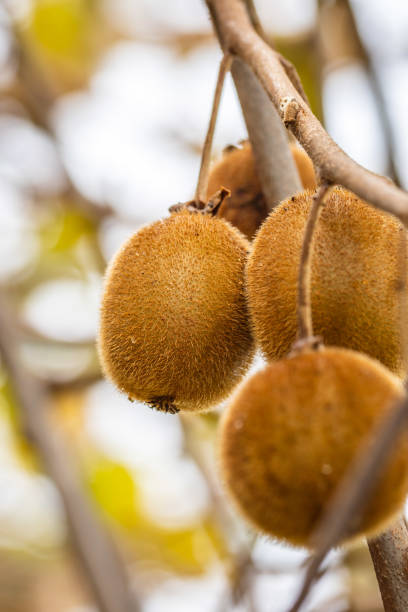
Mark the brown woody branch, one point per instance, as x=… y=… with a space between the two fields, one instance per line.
x=93 y=545
x=239 y=37
x=274 y=162
x=390 y=559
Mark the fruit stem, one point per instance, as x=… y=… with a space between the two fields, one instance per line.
x=304 y=308
x=202 y=183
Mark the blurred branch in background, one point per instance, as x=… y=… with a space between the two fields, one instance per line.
x=95 y=549
x=39 y=98
x=241 y=569
x=340 y=44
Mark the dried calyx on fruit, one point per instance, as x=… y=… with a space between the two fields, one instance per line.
x=292 y=431
x=246 y=208
x=174 y=329
x=355 y=277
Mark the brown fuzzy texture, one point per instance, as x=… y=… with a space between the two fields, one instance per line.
x=355 y=269
x=246 y=208
x=174 y=328
x=293 y=429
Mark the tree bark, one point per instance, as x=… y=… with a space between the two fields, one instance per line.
x=390 y=559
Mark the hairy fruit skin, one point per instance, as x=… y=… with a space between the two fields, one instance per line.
x=293 y=429
x=246 y=207
x=174 y=328
x=355 y=275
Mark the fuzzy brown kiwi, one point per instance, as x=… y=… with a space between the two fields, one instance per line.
x=355 y=275
x=304 y=166
x=174 y=329
x=292 y=431
x=246 y=208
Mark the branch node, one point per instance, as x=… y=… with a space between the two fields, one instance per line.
x=289 y=108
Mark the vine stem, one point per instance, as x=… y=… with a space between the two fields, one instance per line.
x=304 y=309
x=202 y=183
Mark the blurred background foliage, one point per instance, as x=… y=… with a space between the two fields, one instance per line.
x=103 y=110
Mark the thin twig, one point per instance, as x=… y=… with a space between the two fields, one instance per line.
x=239 y=37
x=339 y=16
x=93 y=545
x=304 y=307
x=345 y=510
x=202 y=183
x=241 y=554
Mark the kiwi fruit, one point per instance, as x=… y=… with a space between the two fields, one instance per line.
x=292 y=431
x=304 y=166
x=174 y=329
x=355 y=277
x=246 y=208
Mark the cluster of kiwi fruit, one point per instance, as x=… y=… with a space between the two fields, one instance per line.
x=246 y=207
x=187 y=300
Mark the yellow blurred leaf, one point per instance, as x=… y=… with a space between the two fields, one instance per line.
x=60 y=26
x=185 y=550
x=10 y=413
x=61 y=230
x=114 y=489
x=65 y=37
x=190 y=550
